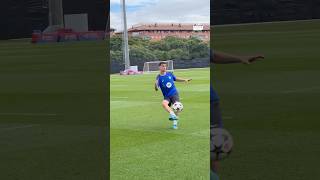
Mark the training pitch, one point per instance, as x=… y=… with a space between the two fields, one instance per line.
x=142 y=144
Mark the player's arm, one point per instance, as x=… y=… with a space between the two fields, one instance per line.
x=178 y=79
x=156 y=85
x=223 y=58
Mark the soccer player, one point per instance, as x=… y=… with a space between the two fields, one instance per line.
x=165 y=81
x=215 y=112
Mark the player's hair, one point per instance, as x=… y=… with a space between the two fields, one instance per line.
x=160 y=63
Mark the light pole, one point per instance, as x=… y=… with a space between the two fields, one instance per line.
x=125 y=37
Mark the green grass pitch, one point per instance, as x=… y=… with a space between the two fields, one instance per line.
x=143 y=146
x=53 y=105
x=271 y=107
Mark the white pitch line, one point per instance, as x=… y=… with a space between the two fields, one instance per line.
x=300 y=90
x=118 y=97
x=17 y=127
x=119 y=85
x=29 y=114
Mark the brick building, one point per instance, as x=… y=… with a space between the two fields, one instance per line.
x=158 y=31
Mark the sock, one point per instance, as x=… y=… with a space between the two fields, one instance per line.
x=172 y=113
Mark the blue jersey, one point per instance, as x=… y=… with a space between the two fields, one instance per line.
x=166 y=84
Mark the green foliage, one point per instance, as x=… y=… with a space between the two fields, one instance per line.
x=167 y=48
x=116 y=43
x=116 y=55
x=178 y=54
x=141 y=53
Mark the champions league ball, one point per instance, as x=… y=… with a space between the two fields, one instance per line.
x=221 y=143
x=177 y=106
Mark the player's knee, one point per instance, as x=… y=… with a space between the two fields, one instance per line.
x=165 y=103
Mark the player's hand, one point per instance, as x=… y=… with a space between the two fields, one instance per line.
x=187 y=80
x=250 y=59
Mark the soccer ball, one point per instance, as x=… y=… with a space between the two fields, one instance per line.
x=221 y=143
x=177 y=106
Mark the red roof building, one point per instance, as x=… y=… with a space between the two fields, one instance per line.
x=158 y=31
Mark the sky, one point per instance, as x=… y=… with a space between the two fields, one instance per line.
x=160 y=11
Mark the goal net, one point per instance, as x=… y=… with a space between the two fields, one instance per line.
x=154 y=66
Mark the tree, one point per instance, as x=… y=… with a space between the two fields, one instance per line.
x=141 y=53
x=116 y=43
x=116 y=55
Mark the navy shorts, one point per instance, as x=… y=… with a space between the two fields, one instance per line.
x=172 y=99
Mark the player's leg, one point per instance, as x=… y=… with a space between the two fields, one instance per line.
x=213 y=176
x=173 y=99
x=215 y=110
x=214 y=165
x=215 y=122
x=166 y=105
x=217 y=117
